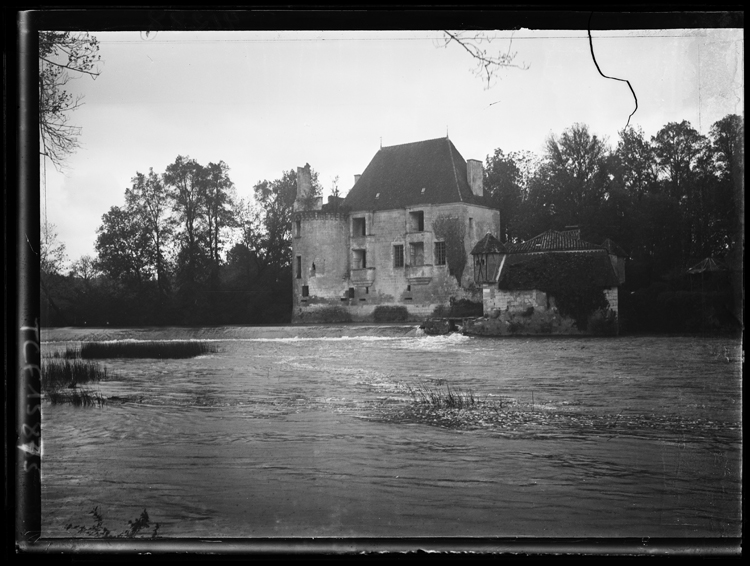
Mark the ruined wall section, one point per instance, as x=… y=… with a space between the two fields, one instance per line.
x=320 y=261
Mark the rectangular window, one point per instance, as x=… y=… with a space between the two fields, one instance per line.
x=305 y=291
x=359 y=227
x=299 y=267
x=439 y=253
x=416 y=254
x=297 y=229
x=398 y=256
x=351 y=292
x=416 y=221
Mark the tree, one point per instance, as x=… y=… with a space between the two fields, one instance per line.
x=677 y=147
x=503 y=179
x=634 y=162
x=149 y=198
x=60 y=54
x=123 y=246
x=275 y=202
x=219 y=213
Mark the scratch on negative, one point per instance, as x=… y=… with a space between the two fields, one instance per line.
x=591 y=45
x=29 y=243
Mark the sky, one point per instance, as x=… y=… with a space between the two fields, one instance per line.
x=268 y=102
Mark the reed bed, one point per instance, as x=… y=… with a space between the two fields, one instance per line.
x=62 y=378
x=438 y=398
x=159 y=349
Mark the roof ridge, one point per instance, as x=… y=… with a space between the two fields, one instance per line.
x=411 y=143
x=453 y=166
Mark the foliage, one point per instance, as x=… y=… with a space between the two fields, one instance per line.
x=452 y=229
x=331 y=314
x=98 y=530
x=60 y=54
x=603 y=323
x=387 y=313
x=570 y=278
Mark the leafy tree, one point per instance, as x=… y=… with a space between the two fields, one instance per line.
x=677 y=147
x=148 y=198
x=503 y=179
x=219 y=213
x=634 y=162
x=123 y=246
x=60 y=55
x=275 y=204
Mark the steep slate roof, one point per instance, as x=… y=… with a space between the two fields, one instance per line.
x=488 y=245
x=527 y=270
x=399 y=173
x=552 y=241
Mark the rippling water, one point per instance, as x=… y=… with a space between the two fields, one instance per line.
x=311 y=431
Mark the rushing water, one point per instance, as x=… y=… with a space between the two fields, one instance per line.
x=311 y=431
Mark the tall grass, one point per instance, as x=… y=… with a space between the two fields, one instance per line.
x=61 y=380
x=69 y=373
x=160 y=349
x=438 y=398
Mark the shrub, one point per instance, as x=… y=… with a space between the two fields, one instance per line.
x=603 y=323
x=331 y=314
x=390 y=314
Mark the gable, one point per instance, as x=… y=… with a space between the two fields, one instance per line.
x=397 y=175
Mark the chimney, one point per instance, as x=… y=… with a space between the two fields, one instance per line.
x=304 y=182
x=475 y=176
x=356 y=179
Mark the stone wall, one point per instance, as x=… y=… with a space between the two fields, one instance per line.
x=334 y=243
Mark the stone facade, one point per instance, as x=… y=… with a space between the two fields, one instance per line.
x=359 y=259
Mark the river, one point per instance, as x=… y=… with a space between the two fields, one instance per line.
x=312 y=431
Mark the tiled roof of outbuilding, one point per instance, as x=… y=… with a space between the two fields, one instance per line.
x=397 y=175
x=488 y=245
x=552 y=241
x=527 y=270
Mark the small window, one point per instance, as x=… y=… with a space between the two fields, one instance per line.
x=351 y=292
x=297 y=228
x=359 y=259
x=398 y=256
x=471 y=226
x=416 y=253
x=439 y=253
x=305 y=291
x=359 y=227
x=298 y=270
x=416 y=221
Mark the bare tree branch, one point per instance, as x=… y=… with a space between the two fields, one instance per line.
x=488 y=65
x=59 y=54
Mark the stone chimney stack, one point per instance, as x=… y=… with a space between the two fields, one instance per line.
x=356 y=179
x=304 y=182
x=475 y=176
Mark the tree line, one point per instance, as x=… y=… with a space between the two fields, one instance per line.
x=183 y=249
x=668 y=201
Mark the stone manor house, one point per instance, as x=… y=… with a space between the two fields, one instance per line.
x=407 y=234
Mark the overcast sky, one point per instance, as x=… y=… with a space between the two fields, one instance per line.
x=267 y=102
